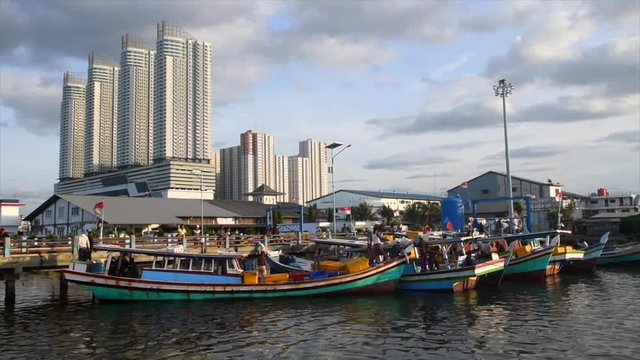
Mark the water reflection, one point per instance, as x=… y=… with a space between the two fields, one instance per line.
x=598 y=313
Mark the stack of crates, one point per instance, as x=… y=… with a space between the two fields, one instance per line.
x=522 y=251
x=356 y=264
x=275 y=278
x=330 y=265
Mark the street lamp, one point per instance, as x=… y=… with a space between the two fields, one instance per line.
x=504 y=89
x=199 y=173
x=331 y=147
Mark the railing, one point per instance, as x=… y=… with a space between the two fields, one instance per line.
x=26 y=246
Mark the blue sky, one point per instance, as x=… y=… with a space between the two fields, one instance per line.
x=407 y=83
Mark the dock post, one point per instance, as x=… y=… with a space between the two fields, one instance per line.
x=132 y=244
x=64 y=286
x=74 y=247
x=226 y=242
x=10 y=278
x=7 y=247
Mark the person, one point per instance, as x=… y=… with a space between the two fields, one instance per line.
x=133 y=271
x=370 y=253
x=432 y=257
x=262 y=265
x=84 y=247
x=378 y=250
x=124 y=265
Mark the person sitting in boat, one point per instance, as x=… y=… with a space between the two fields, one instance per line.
x=124 y=265
x=378 y=250
x=432 y=257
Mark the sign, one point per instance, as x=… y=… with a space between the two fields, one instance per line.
x=225 y=221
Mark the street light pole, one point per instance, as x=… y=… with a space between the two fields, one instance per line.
x=504 y=89
x=199 y=173
x=333 y=181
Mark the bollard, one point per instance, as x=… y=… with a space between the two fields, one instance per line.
x=226 y=242
x=266 y=240
x=184 y=243
x=132 y=244
x=7 y=247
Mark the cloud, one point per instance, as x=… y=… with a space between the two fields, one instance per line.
x=465 y=116
x=572 y=108
x=527 y=152
x=35 y=100
x=408 y=161
x=632 y=136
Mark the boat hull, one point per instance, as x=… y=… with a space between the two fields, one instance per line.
x=531 y=267
x=490 y=273
x=621 y=256
x=382 y=278
x=561 y=260
x=451 y=280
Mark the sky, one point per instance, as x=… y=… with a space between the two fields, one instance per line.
x=409 y=84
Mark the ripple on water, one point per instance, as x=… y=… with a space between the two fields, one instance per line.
x=568 y=316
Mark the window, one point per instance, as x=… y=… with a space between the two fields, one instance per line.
x=47 y=214
x=514 y=189
x=485 y=192
x=593 y=202
x=612 y=201
x=75 y=211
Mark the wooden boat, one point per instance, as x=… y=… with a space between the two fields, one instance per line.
x=531 y=264
x=561 y=256
x=590 y=256
x=187 y=276
x=451 y=277
x=620 y=255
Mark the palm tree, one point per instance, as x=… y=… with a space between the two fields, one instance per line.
x=362 y=212
x=415 y=214
x=312 y=213
x=386 y=213
x=434 y=213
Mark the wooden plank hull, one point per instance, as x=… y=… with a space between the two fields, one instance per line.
x=381 y=278
x=531 y=267
x=620 y=256
x=558 y=261
x=449 y=280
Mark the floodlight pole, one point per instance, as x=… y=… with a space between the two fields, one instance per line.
x=504 y=89
x=333 y=181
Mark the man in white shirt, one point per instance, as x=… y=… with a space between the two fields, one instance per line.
x=84 y=247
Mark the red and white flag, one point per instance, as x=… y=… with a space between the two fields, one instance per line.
x=464 y=185
x=98 y=207
x=559 y=196
x=346 y=210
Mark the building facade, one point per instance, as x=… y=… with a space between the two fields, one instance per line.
x=299 y=180
x=182 y=95
x=282 y=178
x=72 y=126
x=257 y=162
x=316 y=152
x=101 y=115
x=228 y=183
x=135 y=103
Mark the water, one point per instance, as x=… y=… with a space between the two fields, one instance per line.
x=596 y=316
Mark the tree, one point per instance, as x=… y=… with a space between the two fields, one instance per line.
x=566 y=216
x=362 y=212
x=313 y=213
x=386 y=213
x=416 y=215
x=630 y=225
x=433 y=213
x=518 y=208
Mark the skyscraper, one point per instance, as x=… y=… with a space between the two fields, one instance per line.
x=135 y=103
x=182 y=98
x=281 y=185
x=257 y=162
x=299 y=182
x=101 y=115
x=72 y=126
x=228 y=183
x=317 y=153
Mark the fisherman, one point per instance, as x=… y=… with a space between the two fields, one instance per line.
x=84 y=247
x=262 y=265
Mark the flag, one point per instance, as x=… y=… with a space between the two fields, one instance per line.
x=559 y=196
x=464 y=185
x=98 y=207
x=396 y=212
x=346 y=210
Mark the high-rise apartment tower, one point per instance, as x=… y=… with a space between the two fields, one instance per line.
x=72 y=126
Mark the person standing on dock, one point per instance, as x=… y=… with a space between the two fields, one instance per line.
x=262 y=265
x=84 y=247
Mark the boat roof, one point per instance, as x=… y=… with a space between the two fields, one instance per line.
x=341 y=242
x=167 y=252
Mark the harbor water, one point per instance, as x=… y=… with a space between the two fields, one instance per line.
x=568 y=316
